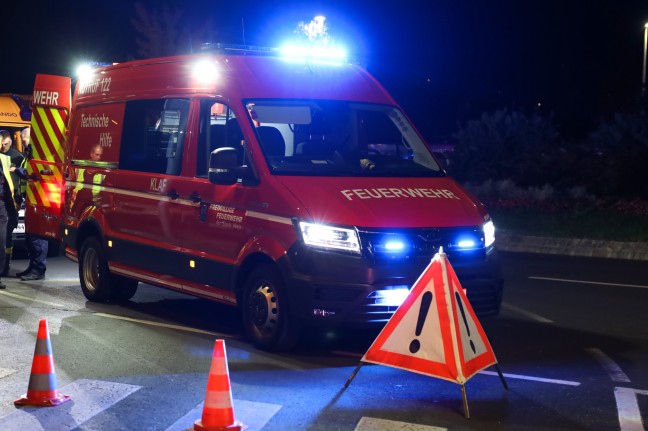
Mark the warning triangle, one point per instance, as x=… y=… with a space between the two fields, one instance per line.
x=435 y=331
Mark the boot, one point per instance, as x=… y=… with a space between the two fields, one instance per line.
x=5 y=270
x=33 y=276
x=25 y=272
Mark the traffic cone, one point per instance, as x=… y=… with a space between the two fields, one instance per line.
x=218 y=413
x=42 y=389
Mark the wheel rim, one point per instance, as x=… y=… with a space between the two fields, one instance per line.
x=264 y=308
x=91 y=269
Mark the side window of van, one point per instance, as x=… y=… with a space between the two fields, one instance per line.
x=153 y=135
x=218 y=128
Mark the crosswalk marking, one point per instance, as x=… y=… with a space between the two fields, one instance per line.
x=628 y=408
x=89 y=397
x=374 y=424
x=252 y=414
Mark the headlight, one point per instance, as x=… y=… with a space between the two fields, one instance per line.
x=489 y=233
x=331 y=237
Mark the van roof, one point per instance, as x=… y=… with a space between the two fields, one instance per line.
x=238 y=77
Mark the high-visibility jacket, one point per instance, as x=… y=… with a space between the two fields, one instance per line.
x=22 y=188
x=6 y=166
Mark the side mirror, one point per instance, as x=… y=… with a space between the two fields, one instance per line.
x=225 y=168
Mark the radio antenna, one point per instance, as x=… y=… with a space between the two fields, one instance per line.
x=243 y=30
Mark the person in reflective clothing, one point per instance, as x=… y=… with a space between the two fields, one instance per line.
x=7 y=148
x=36 y=247
x=7 y=205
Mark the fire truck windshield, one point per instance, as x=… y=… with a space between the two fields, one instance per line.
x=339 y=138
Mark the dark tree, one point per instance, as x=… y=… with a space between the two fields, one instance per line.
x=167 y=31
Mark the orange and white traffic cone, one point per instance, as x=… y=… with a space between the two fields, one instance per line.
x=42 y=389
x=218 y=413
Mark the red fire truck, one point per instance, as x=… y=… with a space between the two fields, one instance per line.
x=294 y=188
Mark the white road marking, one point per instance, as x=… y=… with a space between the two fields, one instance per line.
x=4 y=372
x=166 y=325
x=535 y=379
x=27 y=298
x=251 y=414
x=374 y=424
x=528 y=314
x=89 y=398
x=565 y=280
x=614 y=371
x=512 y=376
x=62 y=280
x=628 y=408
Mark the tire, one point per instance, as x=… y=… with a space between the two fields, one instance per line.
x=93 y=272
x=266 y=314
x=125 y=288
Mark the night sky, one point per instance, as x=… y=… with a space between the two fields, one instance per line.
x=445 y=61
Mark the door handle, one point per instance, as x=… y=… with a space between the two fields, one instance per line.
x=194 y=198
x=173 y=194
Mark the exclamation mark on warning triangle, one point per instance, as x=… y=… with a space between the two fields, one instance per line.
x=426 y=301
x=463 y=314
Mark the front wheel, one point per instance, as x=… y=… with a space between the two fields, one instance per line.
x=266 y=314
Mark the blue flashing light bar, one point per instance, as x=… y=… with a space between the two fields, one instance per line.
x=306 y=52
x=303 y=52
x=86 y=68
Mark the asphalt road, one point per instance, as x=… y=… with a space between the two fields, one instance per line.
x=572 y=342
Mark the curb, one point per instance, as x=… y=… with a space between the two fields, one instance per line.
x=511 y=241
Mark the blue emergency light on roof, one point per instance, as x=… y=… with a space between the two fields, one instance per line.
x=232 y=48
x=304 y=52
x=316 y=46
x=313 y=53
